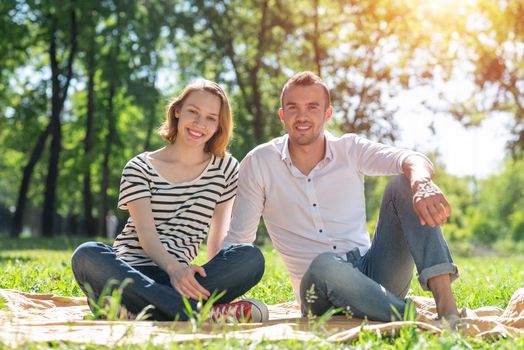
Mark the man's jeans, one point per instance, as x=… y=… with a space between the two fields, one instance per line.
x=234 y=270
x=375 y=285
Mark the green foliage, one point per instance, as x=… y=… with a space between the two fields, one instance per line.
x=485 y=212
x=107 y=305
x=516 y=229
x=499 y=214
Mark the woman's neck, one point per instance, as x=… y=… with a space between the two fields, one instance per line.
x=179 y=152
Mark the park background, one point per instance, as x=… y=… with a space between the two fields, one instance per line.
x=84 y=85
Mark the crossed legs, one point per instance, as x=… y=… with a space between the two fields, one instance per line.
x=234 y=270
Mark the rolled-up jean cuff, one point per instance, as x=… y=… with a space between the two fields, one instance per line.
x=437 y=270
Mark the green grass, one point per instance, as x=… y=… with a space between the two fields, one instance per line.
x=43 y=266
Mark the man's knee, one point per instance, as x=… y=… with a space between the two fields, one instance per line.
x=399 y=185
x=319 y=270
x=320 y=265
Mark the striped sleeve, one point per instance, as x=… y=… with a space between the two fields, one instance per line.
x=134 y=183
x=231 y=179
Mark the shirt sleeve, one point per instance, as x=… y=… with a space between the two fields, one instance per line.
x=231 y=176
x=133 y=185
x=373 y=158
x=248 y=206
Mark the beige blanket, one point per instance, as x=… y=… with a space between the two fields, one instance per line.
x=30 y=317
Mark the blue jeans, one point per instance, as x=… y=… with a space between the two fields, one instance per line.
x=234 y=270
x=374 y=285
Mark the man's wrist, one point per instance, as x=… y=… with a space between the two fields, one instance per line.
x=419 y=183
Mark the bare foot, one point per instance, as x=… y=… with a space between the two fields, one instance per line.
x=440 y=286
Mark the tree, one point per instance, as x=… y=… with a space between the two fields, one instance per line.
x=49 y=13
x=60 y=82
x=238 y=43
x=499 y=63
x=368 y=52
x=485 y=49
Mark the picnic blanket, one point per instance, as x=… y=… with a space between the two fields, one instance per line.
x=29 y=317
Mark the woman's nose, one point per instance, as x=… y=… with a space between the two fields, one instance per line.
x=198 y=119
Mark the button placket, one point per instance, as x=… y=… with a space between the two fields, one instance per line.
x=312 y=198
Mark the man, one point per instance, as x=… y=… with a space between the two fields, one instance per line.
x=309 y=187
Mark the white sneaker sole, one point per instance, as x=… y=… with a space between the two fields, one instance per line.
x=259 y=311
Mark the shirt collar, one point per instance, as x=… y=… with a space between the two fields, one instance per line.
x=285 y=156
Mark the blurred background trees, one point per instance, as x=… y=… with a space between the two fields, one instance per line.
x=83 y=85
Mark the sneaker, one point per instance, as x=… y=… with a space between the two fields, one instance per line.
x=245 y=310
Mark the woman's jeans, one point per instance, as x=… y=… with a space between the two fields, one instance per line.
x=375 y=285
x=234 y=270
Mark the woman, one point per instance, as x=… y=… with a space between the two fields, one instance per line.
x=174 y=195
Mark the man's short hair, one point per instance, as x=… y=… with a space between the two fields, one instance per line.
x=306 y=78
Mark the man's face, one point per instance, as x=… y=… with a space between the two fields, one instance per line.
x=304 y=113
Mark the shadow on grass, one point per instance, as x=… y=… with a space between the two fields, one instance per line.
x=14 y=258
x=67 y=243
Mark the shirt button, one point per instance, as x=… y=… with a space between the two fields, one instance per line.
x=314 y=204
x=320 y=230
x=334 y=247
x=308 y=180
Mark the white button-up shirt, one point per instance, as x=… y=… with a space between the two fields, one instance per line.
x=308 y=215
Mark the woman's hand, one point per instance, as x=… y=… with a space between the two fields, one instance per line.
x=183 y=280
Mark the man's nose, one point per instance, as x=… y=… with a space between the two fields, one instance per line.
x=301 y=113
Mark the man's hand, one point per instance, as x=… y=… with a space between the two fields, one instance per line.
x=430 y=204
x=183 y=280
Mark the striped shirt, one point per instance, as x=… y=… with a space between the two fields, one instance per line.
x=182 y=211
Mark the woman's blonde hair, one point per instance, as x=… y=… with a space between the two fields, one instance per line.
x=217 y=145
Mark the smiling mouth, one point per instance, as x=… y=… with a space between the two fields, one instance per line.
x=195 y=134
x=303 y=127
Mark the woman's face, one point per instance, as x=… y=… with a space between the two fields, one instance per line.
x=198 y=118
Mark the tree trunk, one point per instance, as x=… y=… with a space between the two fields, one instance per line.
x=17 y=224
x=59 y=94
x=316 y=39
x=48 y=212
x=150 y=126
x=258 y=116
x=90 y=225
x=103 y=207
